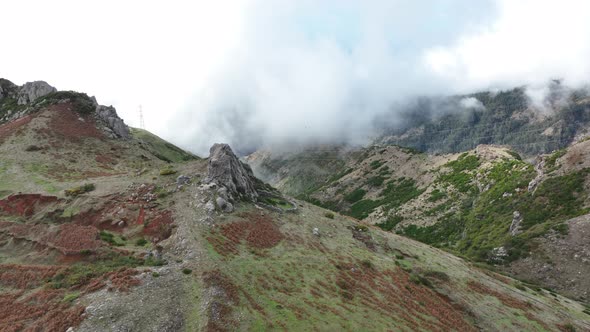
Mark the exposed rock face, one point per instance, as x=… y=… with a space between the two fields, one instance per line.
x=115 y=127
x=7 y=88
x=226 y=170
x=33 y=90
x=515 y=225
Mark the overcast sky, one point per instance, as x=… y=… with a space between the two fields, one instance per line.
x=255 y=73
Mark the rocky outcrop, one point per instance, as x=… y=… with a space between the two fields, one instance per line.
x=515 y=228
x=114 y=126
x=7 y=88
x=226 y=170
x=539 y=168
x=33 y=90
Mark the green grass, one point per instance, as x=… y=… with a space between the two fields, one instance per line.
x=376 y=181
x=111 y=238
x=436 y=195
x=278 y=202
x=465 y=162
x=355 y=195
x=71 y=297
x=160 y=148
x=390 y=223
x=550 y=162
x=394 y=195
x=376 y=164
x=461 y=176
x=483 y=221
x=81 y=273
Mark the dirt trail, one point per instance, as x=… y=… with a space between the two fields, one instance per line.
x=167 y=299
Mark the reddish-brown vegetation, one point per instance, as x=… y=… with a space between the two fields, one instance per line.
x=121 y=280
x=25 y=205
x=505 y=299
x=392 y=291
x=73 y=238
x=8 y=129
x=105 y=160
x=159 y=227
x=67 y=123
x=258 y=231
x=42 y=311
x=141 y=216
x=225 y=295
x=26 y=276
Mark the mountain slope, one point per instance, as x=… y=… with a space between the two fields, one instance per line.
x=97 y=234
x=460 y=123
x=486 y=204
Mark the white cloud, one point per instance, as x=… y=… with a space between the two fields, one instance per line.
x=253 y=72
x=471 y=103
x=532 y=41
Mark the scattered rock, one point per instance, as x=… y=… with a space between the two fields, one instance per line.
x=183 y=179
x=210 y=207
x=224 y=205
x=497 y=255
x=316 y=231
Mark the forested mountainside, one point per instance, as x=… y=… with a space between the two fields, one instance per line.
x=461 y=123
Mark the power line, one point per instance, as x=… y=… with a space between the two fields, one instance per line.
x=141 y=120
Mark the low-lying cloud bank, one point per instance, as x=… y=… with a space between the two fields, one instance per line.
x=292 y=72
x=323 y=72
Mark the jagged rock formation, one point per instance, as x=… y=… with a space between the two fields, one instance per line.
x=18 y=101
x=33 y=90
x=115 y=126
x=26 y=93
x=226 y=170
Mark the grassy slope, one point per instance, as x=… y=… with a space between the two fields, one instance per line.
x=160 y=148
x=382 y=282
x=463 y=203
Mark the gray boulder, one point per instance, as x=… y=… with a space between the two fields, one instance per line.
x=183 y=179
x=108 y=115
x=33 y=90
x=226 y=170
x=224 y=205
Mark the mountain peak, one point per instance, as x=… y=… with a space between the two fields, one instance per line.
x=19 y=101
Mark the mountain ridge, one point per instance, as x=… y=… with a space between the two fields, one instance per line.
x=101 y=232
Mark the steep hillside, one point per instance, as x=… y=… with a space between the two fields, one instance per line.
x=160 y=148
x=486 y=204
x=460 y=123
x=98 y=233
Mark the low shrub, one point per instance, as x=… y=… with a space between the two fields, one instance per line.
x=76 y=191
x=329 y=215
x=167 y=171
x=355 y=195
